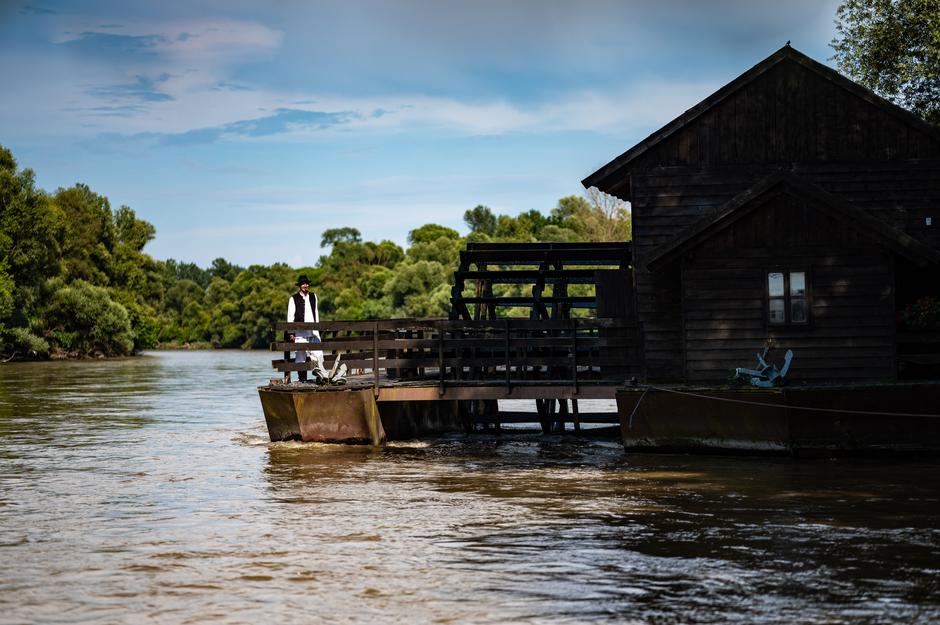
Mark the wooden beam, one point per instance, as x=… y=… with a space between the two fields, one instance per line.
x=431 y=393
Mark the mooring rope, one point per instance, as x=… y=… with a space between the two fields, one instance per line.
x=788 y=407
x=630 y=422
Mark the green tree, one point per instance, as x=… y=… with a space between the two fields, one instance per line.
x=595 y=217
x=261 y=294
x=87 y=234
x=515 y=229
x=432 y=232
x=225 y=270
x=132 y=273
x=81 y=317
x=6 y=296
x=893 y=48
x=223 y=329
x=413 y=286
x=181 y=294
x=340 y=235
x=386 y=254
x=145 y=323
x=567 y=208
x=480 y=219
x=441 y=250
x=29 y=250
x=132 y=232
x=174 y=270
x=605 y=218
x=557 y=234
x=27 y=225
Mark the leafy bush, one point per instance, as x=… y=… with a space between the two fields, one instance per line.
x=22 y=342
x=83 y=317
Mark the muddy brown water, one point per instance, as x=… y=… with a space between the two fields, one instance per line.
x=145 y=491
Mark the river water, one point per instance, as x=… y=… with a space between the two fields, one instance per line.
x=145 y=491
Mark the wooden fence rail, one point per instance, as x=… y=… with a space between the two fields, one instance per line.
x=504 y=351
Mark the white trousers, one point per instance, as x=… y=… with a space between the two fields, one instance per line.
x=308 y=336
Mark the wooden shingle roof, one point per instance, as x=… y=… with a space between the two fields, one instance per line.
x=613 y=177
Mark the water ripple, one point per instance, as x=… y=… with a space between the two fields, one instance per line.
x=145 y=490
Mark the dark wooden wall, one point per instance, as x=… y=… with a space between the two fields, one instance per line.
x=789 y=118
x=851 y=331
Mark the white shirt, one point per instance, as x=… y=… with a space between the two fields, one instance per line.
x=311 y=314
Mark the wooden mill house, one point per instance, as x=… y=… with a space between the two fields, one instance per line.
x=791 y=205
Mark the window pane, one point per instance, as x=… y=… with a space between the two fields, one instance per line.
x=775 y=284
x=776 y=311
x=798 y=310
x=797 y=283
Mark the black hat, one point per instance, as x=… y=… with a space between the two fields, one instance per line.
x=303 y=279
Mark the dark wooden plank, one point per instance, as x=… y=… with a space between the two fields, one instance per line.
x=625 y=359
x=454 y=325
x=526 y=274
x=604 y=256
x=449 y=343
x=522 y=300
x=578 y=245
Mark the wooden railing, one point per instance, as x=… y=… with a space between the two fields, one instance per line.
x=542 y=273
x=504 y=351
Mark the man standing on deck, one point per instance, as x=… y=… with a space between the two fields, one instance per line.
x=302 y=307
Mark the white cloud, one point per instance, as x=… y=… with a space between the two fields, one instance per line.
x=178 y=76
x=602 y=111
x=615 y=112
x=219 y=40
x=180 y=72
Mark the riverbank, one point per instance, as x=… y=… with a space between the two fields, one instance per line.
x=61 y=354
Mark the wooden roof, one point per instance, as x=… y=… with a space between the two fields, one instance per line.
x=613 y=177
x=785 y=182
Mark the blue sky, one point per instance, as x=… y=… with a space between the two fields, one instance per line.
x=243 y=129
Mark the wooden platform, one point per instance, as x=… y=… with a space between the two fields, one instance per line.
x=359 y=412
x=430 y=389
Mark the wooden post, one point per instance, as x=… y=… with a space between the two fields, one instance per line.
x=508 y=364
x=286 y=357
x=375 y=358
x=440 y=356
x=574 y=354
x=461 y=414
x=499 y=423
x=562 y=413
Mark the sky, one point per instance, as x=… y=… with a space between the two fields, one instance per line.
x=243 y=129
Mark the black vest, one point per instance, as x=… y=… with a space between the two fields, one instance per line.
x=300 y=307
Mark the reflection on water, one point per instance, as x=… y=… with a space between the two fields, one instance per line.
x=145 y=490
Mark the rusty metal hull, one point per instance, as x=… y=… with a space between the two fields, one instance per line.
x=351 y=415
x=838 y=420
x=347 y=416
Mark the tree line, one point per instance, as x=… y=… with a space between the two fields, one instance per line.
x=75 y=280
